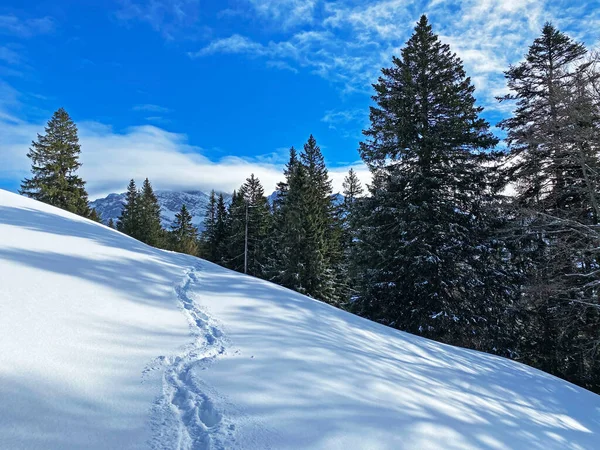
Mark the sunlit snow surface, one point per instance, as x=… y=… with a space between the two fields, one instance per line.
x=107 y=343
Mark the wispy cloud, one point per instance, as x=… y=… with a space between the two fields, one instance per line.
x=347 y=42
x=149 y=107
x=343 y=120
x=25 y=28
x=9 y=56
x=286 y=13
x=172 y=18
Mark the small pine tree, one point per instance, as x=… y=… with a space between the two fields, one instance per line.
x=111 y=223
x=352 y=188
x=55 y=160
x=249 y=216
x=128 y=221
x=94 y=215
x=184 y=234
x=306 y=233
x=149 y=226
x=348 y=217
x=221 y=230
x=208 y=235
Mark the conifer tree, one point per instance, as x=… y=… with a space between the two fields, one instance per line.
x=209 y=233
x=249 y=217
x=111 y=223
x=221 y=230
x=183 y=233
x=554 y=144
x=128 y=221
x=352 y=189
x=348 y=217
x=55 y=160
x=428 y=261
x=236 y=225
x=93 y=215
x=149 y=226
x=307 y=234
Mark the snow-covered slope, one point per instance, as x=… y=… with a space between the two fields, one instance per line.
x=106 y=343
x=170 y=202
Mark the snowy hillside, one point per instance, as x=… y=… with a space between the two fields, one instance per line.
x=170 y=203
x=106 y=343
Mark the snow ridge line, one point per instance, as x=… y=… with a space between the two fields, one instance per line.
x=185 y=416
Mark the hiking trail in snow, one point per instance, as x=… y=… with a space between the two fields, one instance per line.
x=187 y=415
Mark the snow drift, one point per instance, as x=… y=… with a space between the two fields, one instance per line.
x=108 y=343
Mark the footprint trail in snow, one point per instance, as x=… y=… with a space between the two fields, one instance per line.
x=187 y=416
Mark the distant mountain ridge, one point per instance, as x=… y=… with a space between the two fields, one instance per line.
x=111 y=206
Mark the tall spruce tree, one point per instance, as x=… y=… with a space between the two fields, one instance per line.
x=128 y=221
x=149 y=227
x=429 y=265
x=221 y=230
x=183 y=233
x=554 y=144
x=249 y=216
x=209 y=240
x=348 y=216
x=307 y=234
x=55 y=160
x=216 y=230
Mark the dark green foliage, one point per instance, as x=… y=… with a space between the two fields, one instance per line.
x=215 y=234
x=306 y=231
x=348 y=216
x=111 y=223
x=55 y=160
x=429 y=263
x=150 y=229
x=93 y=215
x=248 y=220
x=554 y=139
x=209 y=244
x=129 y=220
x=184 y=235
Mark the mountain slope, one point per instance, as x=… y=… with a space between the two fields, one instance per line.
x=108 y=343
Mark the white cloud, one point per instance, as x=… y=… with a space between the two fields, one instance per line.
x=148 y=107
x=172 y=18
x=25 y=28
x=111 y=158
x=9 y=56
x=348 y=41
x=286 y=13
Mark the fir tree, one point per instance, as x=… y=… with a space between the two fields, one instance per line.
x=93 y=215
x=428 y=261
x=183 y=233
x=128 y=221
x=209 y=234
x=348 y=217
x=306 y=232
x=352 y=189
x=249 y=217
x=554 y=144
x=111 y=223
x=221 y=230
x=55 y=160
x=149 y=226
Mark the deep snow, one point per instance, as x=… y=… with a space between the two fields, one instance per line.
x=108 y=343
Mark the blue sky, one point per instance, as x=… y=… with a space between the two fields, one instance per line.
x=197 y=94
